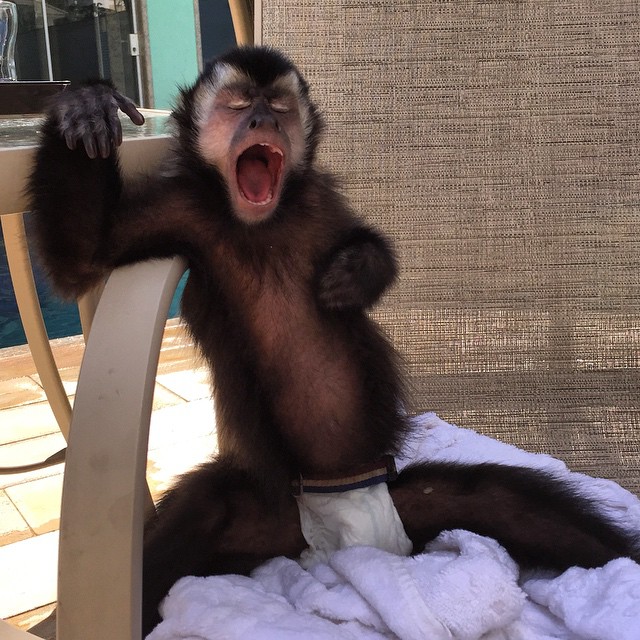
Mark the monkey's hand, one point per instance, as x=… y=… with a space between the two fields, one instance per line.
x=356 y=272
x=88 y=116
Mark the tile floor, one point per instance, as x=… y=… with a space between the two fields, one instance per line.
x=182 y=434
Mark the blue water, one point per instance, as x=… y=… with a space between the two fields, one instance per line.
x=61 y=318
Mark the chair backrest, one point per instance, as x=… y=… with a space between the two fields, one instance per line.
x=499 y=143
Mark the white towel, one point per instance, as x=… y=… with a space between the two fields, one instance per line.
x=602 y=603
x=463 y=587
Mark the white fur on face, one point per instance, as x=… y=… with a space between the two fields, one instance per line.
x=290 y=83
x=224 y=75
x=214 y=125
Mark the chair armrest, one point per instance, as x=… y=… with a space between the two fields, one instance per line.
x=104 y=491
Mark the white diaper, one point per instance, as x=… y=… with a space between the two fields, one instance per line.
x=367 y=516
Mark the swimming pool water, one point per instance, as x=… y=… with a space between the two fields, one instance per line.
x=61 y=318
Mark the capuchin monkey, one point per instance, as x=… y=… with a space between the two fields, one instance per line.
x=281 y=274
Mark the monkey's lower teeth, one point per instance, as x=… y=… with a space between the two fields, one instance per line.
x=253 y=200
x=267 y=201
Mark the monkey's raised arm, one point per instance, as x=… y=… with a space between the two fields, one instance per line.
x=357 y=271
x=76 y=187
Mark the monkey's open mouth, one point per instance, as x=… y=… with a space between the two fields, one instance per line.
x=258 y=172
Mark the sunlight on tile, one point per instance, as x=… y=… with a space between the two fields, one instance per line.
x=163 y=397
x=39 y=502
x=29 y=573
x=20 y=391
x=27 y=421
x=29 y=451
x=175 y=425
x=166 y=464
x=191 y=384
x=69 y=377
x=14 y=526
x=26 y=621
x=182 y=435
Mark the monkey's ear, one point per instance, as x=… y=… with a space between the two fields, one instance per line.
x=183 y=117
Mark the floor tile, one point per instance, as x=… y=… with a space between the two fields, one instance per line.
x=173 y=425
x=164 y=465
x=28 y=574
x=190 y=385
x=27 y=421
x=39 y=502
x=13 y=526
x=182 y=435
x=20 y=391
x=26 y=621
x=69 y=377
x=29 y=451
x=163 y=397
x=17 y=361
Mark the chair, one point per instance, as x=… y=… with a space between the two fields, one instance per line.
x=105 y=497
x=498 y=144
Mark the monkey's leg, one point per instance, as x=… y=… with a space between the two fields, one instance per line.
x=541 y=521
x=216 y=520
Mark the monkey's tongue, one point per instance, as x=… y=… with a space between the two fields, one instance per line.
x=254 y=179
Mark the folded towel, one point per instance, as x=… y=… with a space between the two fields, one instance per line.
x=602 y=603
x=463 y=587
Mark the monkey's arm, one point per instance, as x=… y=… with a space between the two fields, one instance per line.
x=76 y=188
x=356 y=271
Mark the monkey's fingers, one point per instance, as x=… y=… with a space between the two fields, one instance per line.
x=65 y=114
x=128 y=106
x=90 y=145
x=70 y=140
x=103 y=133
x=104 y=145
x=113 y=123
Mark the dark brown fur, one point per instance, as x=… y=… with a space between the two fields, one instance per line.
x=304 y=381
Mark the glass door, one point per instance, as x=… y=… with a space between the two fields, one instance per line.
x=78 y=39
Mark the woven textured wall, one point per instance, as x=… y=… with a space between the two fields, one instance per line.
x=499 y=144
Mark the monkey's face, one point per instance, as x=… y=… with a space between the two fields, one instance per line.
x=254 y=135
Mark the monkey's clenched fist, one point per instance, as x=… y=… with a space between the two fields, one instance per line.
x=357 y=272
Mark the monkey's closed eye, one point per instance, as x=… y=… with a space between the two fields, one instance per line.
x=279 y=107
x=238 y=105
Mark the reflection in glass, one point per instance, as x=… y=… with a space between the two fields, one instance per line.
x=83 y=39
x=8 y=25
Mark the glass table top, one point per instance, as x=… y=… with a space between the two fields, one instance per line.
x=142 y=146
x=22 y=131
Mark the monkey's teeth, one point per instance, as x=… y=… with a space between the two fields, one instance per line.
x=271 y=148
x=267 y=201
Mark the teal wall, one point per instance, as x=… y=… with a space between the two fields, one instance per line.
x=172 y=42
